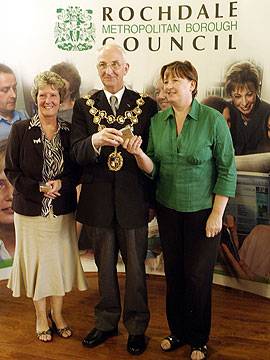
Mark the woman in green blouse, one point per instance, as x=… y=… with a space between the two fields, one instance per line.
x=191 y=156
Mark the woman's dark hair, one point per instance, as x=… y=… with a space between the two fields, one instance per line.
x=182 y=69
x=242 y=74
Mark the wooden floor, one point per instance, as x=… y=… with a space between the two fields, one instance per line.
x=241 y=327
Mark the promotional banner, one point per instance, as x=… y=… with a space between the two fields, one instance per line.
x=217 y=37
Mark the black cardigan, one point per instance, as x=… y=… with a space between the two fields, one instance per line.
x=23 y=168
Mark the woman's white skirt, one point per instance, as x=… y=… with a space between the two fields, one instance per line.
x=46 y=260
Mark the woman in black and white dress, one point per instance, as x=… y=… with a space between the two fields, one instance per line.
x=46 y=261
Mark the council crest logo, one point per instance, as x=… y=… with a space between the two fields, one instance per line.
x=74 y=30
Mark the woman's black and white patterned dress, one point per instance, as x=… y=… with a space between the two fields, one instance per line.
x=46 y=261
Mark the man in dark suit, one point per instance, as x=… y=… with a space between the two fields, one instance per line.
x=114 y=199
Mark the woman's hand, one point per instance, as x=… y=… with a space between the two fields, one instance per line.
x=214 y=221
x=133 y=145
x=55 y=187
x=213 y=224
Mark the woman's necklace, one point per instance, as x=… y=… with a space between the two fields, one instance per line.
x=115 y=159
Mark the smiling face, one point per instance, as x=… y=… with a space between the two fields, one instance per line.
x=244 y=98
x=178 y=90
x=112 y=68
x=8 y=94
x=161 y=96
x=48 y=102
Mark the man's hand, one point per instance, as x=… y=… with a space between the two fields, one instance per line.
x=107 y=137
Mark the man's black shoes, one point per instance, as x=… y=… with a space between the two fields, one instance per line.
x=97 y=337
x=136 y=344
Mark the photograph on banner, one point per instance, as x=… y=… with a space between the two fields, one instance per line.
x=7 y=236
x=9 y=113
x=234 y=79
x=246 y=257
x=245 y=250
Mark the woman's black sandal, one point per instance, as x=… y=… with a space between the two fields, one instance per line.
x=170 y=343
x=45 y=332
x=202 y=349
x=60 y=332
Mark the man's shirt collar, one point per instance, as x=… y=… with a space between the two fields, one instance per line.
x=119 y=94
x=16 y=116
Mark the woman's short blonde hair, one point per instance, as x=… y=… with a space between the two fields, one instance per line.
x=48 y=78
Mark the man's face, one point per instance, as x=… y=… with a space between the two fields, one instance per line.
x=111 y=69
x=8 y=94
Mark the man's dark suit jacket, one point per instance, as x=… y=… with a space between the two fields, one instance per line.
x=23 y=168
x=108 y=196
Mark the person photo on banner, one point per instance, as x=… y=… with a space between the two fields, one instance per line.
x=8 y=97
x=221 y=105
x=72 y=79
x=44 y=178
x=7 y=235
x=191 y=156
x=248 y=128
x=160 y=95
x=250 y=258
x=154 y=259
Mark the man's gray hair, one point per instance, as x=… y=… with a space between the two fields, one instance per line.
x=112 y=45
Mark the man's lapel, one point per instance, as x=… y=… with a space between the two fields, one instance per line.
x=101 y=103
x=127 y=102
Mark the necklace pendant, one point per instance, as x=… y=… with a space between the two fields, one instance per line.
x=115 y=161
